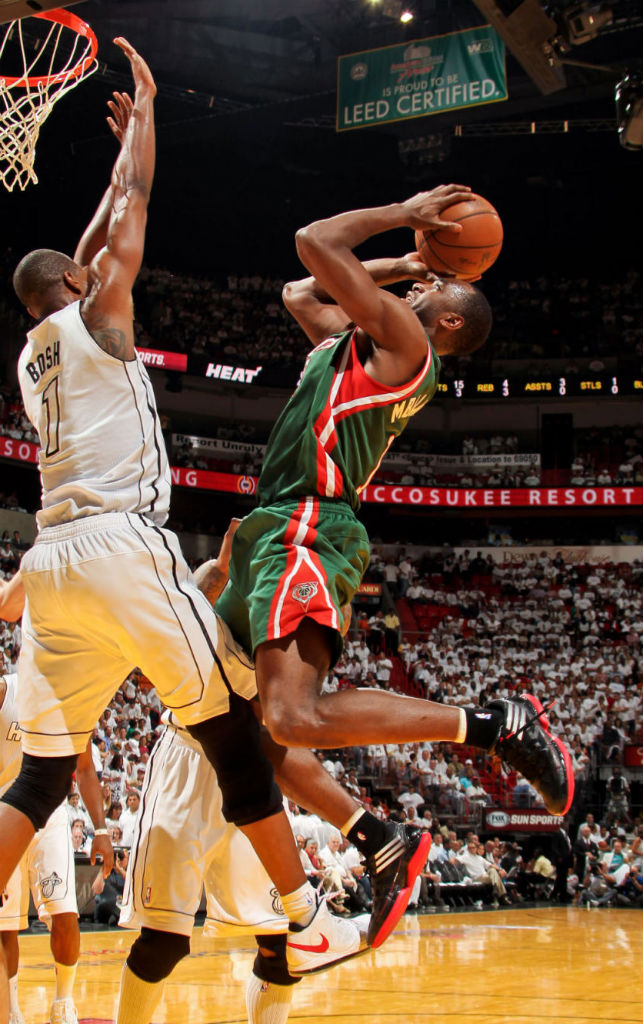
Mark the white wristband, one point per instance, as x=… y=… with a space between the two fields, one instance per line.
x=100 y=832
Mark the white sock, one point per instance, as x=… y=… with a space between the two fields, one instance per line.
x=301 y=904
x=65 y=977
x=13 y=995
x=267 y=1003
x=138 y=999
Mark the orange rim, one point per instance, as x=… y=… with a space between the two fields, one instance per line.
x=76 y=24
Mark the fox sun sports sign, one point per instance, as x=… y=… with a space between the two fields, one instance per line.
x=521 y=821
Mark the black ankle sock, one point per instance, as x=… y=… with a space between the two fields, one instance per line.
x=483 y=726
x=369 y=834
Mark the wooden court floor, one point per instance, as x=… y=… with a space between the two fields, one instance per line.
x=522 y=966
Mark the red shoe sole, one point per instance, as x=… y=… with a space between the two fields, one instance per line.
x=570 y=775
x=415 y=866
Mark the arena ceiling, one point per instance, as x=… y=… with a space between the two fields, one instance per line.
x=246 y=126
x=279 y=57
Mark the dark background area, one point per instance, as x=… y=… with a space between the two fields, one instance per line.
x=251 y=153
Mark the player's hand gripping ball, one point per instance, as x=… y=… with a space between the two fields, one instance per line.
x=466 y=253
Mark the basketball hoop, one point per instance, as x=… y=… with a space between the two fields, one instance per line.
x=42 y=71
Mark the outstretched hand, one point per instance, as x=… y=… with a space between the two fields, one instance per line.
x=141 y=73
x=425 y=208
x=121 y=108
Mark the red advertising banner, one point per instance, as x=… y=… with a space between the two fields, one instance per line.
x=524 y=497
x=23 y=451
x=206 y=480
x=372 y=589
x=386 y=494
x=520 y=820
x=163 y=360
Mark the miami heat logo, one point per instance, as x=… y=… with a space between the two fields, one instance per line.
x=47 y=885
x=304 y=592
x=276 y=902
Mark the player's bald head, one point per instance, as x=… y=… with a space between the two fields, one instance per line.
x=40 y=276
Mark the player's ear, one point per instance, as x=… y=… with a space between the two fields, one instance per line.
x=73 y=281
x=451 y=321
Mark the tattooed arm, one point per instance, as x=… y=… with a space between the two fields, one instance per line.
x=108 y=310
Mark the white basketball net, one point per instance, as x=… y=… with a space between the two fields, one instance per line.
x=42 y=71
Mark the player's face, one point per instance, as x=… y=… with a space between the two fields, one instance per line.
x=436 y=296
x=417 y=294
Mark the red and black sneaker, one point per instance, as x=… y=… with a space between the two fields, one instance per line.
x=526 y=743
x=393 y=869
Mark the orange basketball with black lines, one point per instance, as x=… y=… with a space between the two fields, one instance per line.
x=467 y=253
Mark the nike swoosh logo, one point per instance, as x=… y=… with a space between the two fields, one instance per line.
x=320 y=948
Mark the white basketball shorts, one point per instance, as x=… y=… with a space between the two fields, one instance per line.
x=47 y=868
x=182 y=843
x=104 y=594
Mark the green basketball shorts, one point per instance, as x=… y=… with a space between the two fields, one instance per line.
x=291 y=561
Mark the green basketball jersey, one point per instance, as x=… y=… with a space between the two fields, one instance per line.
x=338 y=425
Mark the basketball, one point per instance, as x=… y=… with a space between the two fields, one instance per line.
x=470 y=252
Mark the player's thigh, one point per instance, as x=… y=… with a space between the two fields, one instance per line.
x=52 y=875
x=70 y=666
x=61 y=695
x=296 y=561
x=180 y=821
x=172 y=633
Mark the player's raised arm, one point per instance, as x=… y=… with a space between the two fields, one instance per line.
x=325 y=248
x=319 y=315
x=95 y=235
x=107 y=310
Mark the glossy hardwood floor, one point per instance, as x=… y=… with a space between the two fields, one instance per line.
x=524 y=966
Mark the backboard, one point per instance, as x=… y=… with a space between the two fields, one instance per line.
x=12 y=9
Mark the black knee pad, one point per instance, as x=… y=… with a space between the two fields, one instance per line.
x=42 y=785
x=155 y=954
x=273 y=969
x=232 y=744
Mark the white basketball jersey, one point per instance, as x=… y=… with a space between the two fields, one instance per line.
x=102 y=449
x=10 y=749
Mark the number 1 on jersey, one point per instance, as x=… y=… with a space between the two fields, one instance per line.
x=50 y=401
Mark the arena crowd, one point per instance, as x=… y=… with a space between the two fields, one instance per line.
x=455 y=628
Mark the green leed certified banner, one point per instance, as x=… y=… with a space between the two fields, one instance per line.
x=422 y=77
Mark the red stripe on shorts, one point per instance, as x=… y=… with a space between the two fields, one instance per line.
x=302 y=589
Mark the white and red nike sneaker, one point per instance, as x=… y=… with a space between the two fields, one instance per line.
x=326 y=940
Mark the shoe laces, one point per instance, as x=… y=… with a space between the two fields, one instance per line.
x=530 y=720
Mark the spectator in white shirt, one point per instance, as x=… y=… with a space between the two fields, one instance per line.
x=130 y=816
